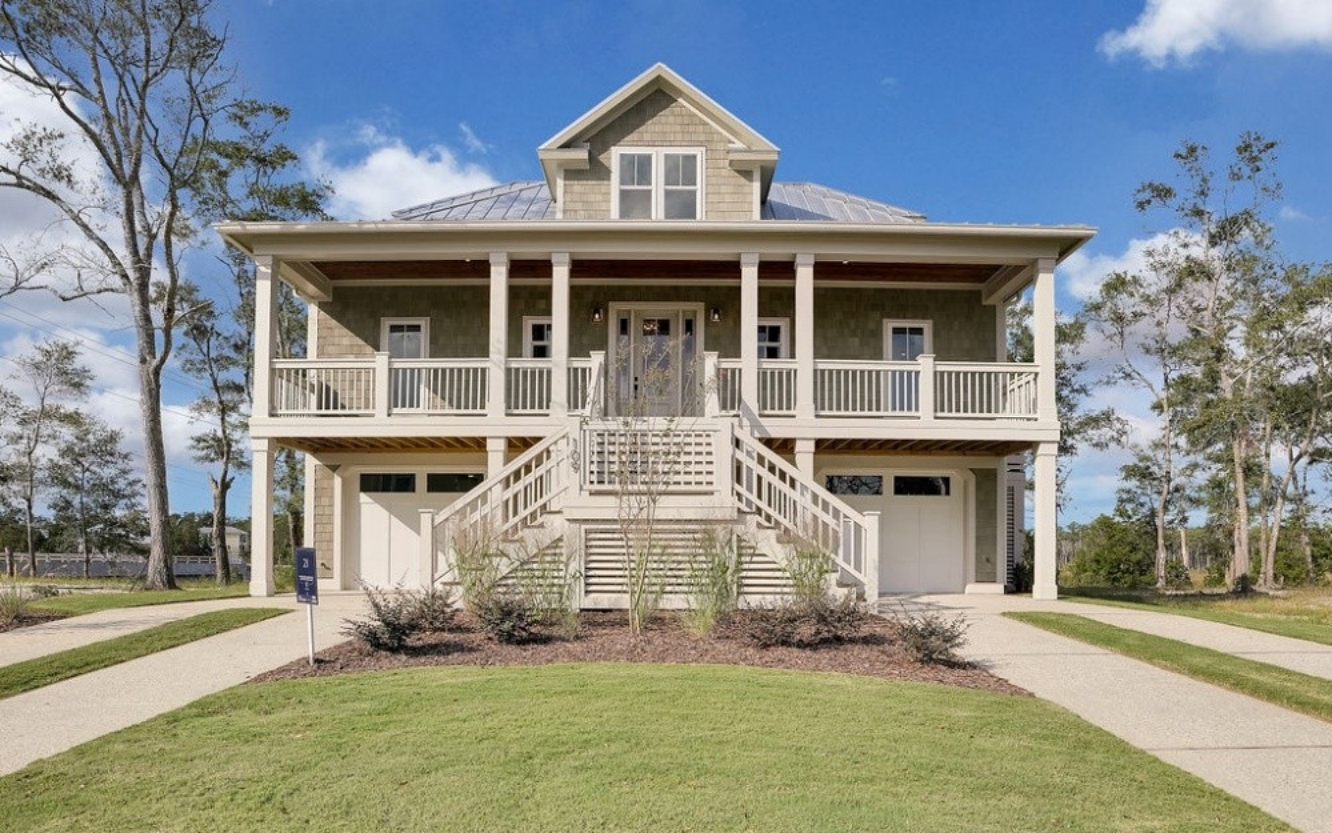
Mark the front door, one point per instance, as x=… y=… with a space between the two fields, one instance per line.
x=655 y=353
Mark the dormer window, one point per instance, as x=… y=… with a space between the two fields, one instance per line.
x=657 y=184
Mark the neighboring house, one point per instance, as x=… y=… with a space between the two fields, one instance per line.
x=238 y=542
x=823 y=366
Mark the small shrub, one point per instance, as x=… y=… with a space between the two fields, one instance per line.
x=932 y=638
x=508 y=619
x=809 y=567
x=435 y=610
x=1177 y=575
x=43 y=591
x=1216 y=572
x=13 y=603
x=1022 y=577
x=807 y=623
x=396 y=615
x=713 y=580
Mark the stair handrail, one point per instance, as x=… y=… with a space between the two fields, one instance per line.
x=805 y=509
x=497 y=494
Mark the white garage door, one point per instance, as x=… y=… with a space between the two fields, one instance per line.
x=922 y=528
x=388 y=525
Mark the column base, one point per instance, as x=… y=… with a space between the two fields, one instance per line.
x=1045 y=592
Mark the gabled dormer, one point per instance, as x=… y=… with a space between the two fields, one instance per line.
x=658 y=149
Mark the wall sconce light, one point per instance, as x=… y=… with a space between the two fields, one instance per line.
x=597 y=314
x=714 y=315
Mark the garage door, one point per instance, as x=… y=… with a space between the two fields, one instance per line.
x=388 y=516
x=922 y=528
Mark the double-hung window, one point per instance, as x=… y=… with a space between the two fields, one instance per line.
x=656 y=184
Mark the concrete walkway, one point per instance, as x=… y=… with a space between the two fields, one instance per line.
x=1272 y=758
x=49 y=720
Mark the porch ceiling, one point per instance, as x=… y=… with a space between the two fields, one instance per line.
x=362 y=445
x=906 y=447
x=656 y=270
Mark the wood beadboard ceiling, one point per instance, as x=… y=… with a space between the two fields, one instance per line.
x=654 y=270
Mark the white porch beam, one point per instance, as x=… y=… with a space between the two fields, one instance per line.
x=499 y=332
x=804 y=335
x=1043 y=332
x=749 y=374
x=308 y=281
x=559 y=334
x=1045 y=584
x=1005 y=283
x=261 y=516
x=265 y=331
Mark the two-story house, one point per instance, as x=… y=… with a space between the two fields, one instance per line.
x=821 y=365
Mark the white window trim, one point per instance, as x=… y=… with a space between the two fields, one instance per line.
x=385 y=323
x=785 y=324
x=890 y=323
x=528 y=321
x=658 y=178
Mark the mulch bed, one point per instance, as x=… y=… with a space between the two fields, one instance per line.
x=605 y=637
x=27 y=620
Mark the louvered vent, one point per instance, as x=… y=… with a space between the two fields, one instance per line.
x=604 y=562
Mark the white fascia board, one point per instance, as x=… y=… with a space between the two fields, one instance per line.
x=554 y=160
x=913 y=242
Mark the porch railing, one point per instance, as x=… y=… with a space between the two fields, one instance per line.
x=923 y=389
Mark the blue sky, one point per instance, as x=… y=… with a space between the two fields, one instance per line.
x=1006 y=112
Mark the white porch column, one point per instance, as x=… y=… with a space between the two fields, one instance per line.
x=804 y=458
x=1043 y=332
x=261 y=515
x=499 y=332
x=265 y=331
x=1045 y=584
x=426 y=542
x=804 y=335
x=496 y=450
x=872 y=561
x=1001 y=332
x=749 y=376
x=559 y=334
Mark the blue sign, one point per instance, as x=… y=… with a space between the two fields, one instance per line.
x=307 y=576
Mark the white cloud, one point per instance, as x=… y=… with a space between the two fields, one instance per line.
x=1293 y=214
x=1179 y=29
x=384 y=174
x=1084 y=273
x=471 y=140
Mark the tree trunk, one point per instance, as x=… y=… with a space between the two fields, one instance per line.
x=221 y=562
x=1184 y=548
x=158 y=573
x=32 y=542
x=1240 y=563
x=9 y=561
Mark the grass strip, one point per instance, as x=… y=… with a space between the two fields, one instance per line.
x=52 y=668
x=1289 y=624
x=620 y=747
x=1280 y=686
x=77 y=604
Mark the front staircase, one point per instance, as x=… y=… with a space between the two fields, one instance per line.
x=565 y=501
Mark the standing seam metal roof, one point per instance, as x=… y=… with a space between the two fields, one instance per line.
x=787 y=201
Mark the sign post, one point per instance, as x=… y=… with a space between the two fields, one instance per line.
x=307 y=589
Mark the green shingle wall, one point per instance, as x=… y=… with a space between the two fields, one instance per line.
x=848 y=321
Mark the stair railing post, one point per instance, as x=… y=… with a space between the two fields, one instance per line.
x=872 y=560
x=711 y=385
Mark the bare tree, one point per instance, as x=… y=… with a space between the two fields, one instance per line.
x=138 y=85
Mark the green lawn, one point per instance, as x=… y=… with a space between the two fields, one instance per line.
x=75 y=604
x=1291 y=689
x=1303 y=614
x=615 y=747
x=42 y=671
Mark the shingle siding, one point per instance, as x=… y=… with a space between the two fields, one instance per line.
x=660 y=121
